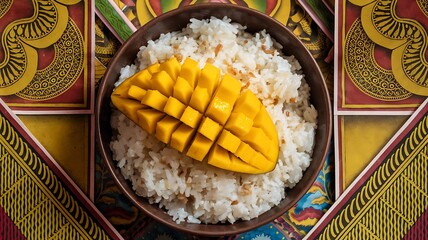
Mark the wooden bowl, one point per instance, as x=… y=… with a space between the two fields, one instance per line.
x=255 y=21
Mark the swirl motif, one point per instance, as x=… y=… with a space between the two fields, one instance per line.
x=423 y=5
x=363 y=70
x=406 y=38
x=105 y=45
x=64 y=70
x=21 y=37
x=397 y=189
x=313 y=38
x=30 y=190
x=4 y=6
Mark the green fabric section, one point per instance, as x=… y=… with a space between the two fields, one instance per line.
x=114 y=19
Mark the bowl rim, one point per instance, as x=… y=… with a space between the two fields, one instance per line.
x=184 y=227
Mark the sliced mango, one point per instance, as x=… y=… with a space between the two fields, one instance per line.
x=224 y=98
x=190 y=71
x=239 y=124
x=229 y=88
x=258 y=140
x=248 y=104
x=181 y=137
x=209 y=78
x=142 y=79
x=172 y=67
x=153 y=68
x=263 y=121
x=165 y=128
x=148 y=119
x=221 y=158
x=201 y=114
x=200 y=99
x=219 y=110
x=154 y=99
x=228 y=141
x=163 y=82
x=240 y=166
x=191 y=117
x=182 y=90
x=129 y=107
x=245 y=152
x=209 y=128
x=136 y=93
x=174 y=108
x=199 y=147
x=122 y=89
x=249 y=155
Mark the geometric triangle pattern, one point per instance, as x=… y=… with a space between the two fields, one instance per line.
x=37 y=196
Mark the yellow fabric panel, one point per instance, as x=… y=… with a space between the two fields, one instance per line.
x=363 y=138
x=66 y=138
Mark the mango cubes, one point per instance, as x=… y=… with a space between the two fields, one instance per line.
x=201 y=114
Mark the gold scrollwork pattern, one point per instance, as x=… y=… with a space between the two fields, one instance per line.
x=33 y=196
x=105 y=45
x=423 y=5
x=303 y=27
x=407 y=39
x=22 y=38
x=392 y=199
x=62 y=72
x=4 y=6
x=313 y=38
x=363 y=70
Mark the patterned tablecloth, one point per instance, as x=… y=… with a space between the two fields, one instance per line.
x=53 y=54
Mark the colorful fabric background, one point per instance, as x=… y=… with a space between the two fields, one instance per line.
x=132 y=223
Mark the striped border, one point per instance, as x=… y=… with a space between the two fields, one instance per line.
x=39 y=167
x=406 y=145
x=114 y=18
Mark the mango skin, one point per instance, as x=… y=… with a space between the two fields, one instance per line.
x=202 y=114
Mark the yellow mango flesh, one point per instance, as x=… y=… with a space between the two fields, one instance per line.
x=202 y=114
x=129 y=107
x=163 y=82
x=209 y=78
x=165 y=128
x=239 y=124
x=154 y=99
x=181 y=137
x=182 y=91
x=209 y=128
x=228 y=141
x=191 y=117
x=199 y=147
x=190 y=72
x=200 y=99
x=148 y=118
x=172 y=67
x=248 y=104
x=136 y=93
x=142 y=79
x=174 y=108
x=153 y=68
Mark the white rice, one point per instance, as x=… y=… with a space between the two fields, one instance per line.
x=199 y=193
